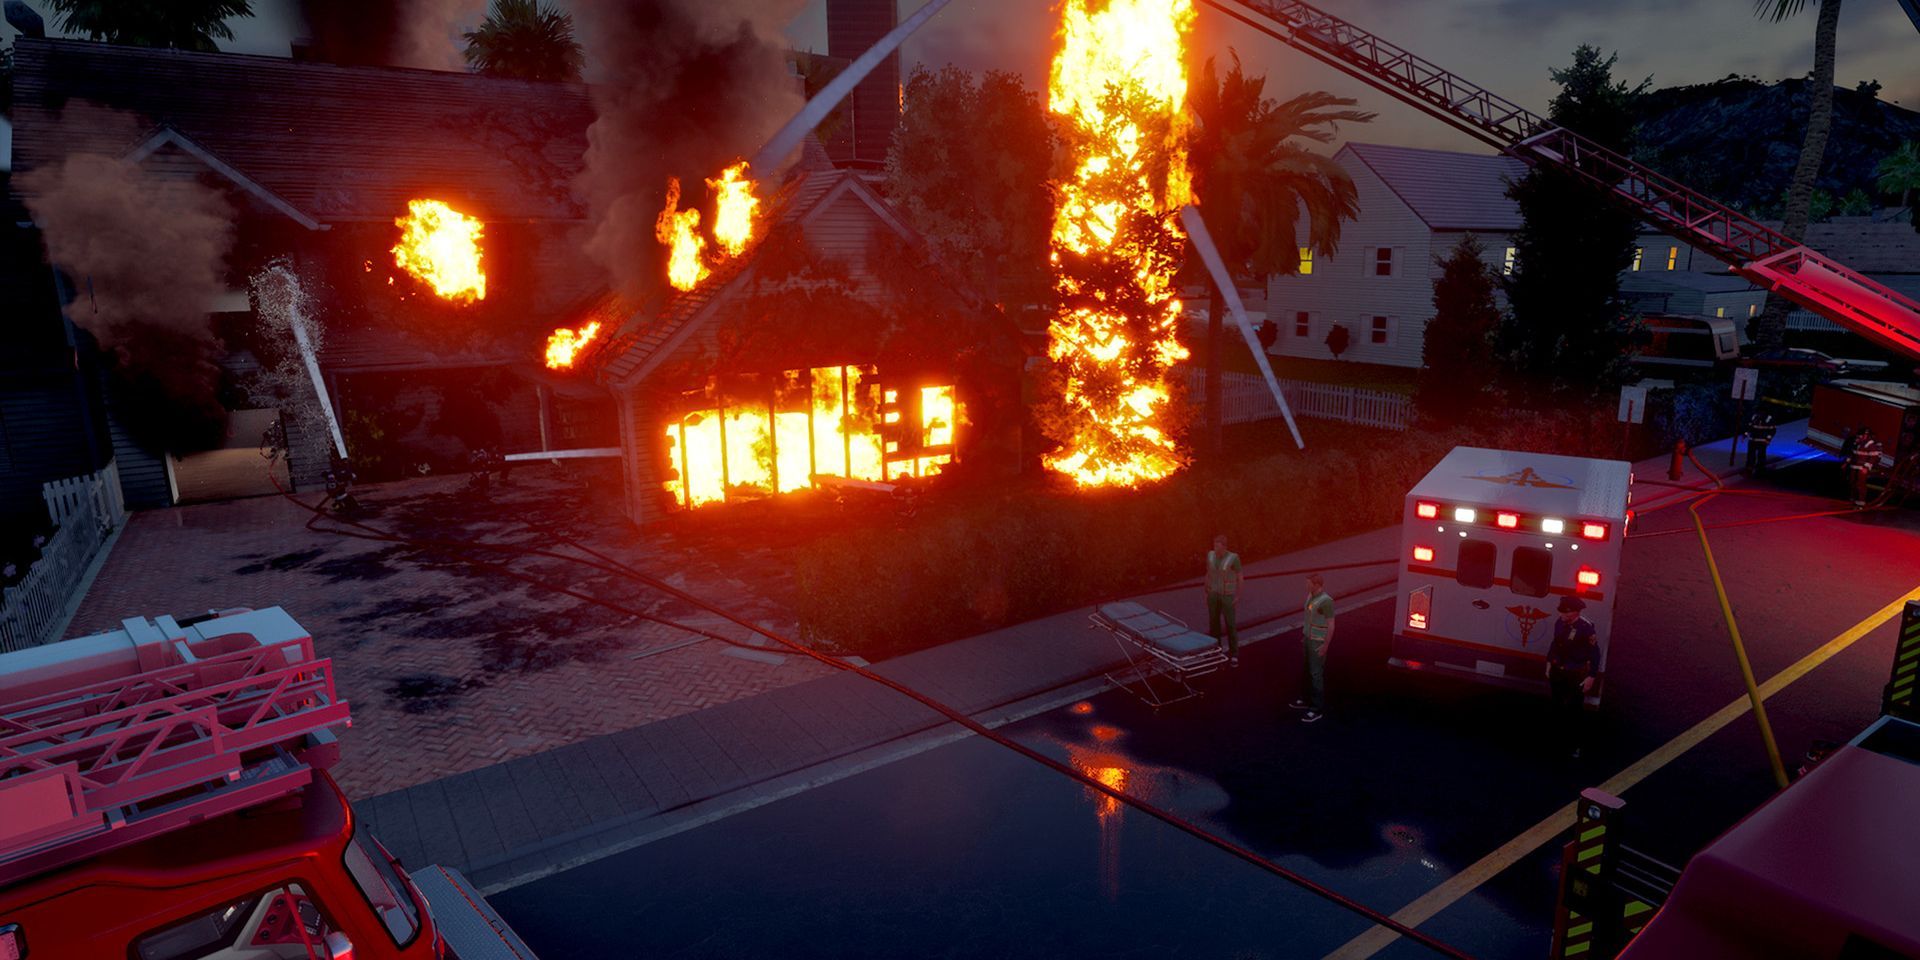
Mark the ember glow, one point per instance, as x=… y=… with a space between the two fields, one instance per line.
x=824 y=422
x=1119 y=84
x=440 y=246
x=679 y=230
x=734 y=208
x=565 y=344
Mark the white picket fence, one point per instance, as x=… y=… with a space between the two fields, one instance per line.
x=1244 y=398
x=87 y=509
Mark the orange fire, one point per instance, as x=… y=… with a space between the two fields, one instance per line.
x=1119 y=84
x=565 y=344
x=440 y=246
x=828 y=422
x=734 y=209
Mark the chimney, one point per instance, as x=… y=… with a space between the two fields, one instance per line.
x=853 y=26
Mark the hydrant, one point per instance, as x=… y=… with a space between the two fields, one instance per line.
x=1674 y=467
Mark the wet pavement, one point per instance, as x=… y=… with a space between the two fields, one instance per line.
x=967 y=850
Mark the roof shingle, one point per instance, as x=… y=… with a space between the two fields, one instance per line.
x=1447 y=190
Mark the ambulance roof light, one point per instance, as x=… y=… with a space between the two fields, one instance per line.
x=1464 y=514
x=1506 y=521
x=1426 y=510
x=1553 y=525
x=1593 y=531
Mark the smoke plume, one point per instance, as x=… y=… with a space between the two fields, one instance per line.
x=684 y=88
x=147 y=258
x=426 y=34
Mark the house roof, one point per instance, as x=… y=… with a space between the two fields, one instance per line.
x=1667 y=281
x=336 y=143
x=645 y=338
x=1446 y=189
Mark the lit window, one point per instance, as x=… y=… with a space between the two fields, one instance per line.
x=1378 y=331
x=1463 y=514
x=1383 y=261
x=1587 y=577
x=1638 y=252
x=1506 y=267
x=1506 y=521
x=1303 y=324
x=1673 y=257
x=1719 y=311
x=1752 y=308
x=1553 y=525
x=1425 y=510
x=1423 y=554
x=1306 y=261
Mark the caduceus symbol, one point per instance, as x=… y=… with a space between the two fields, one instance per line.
x=1527 y=617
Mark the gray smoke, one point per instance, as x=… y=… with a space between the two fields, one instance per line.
x=425 y=34
x=147 y=257
x=684 y=88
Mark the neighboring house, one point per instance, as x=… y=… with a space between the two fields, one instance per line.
x=869 y=408
x=1681 y=292
x=317 y=160
x=1415 y=205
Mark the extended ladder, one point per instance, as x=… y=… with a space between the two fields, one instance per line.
x=1754 y=251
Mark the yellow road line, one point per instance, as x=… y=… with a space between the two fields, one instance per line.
x=1466 y=881
x=1739 y=648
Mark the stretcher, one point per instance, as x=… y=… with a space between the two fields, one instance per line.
x=1162 y=652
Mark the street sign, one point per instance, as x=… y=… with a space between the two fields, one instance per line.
x=1633 y=405
x=1746 y=382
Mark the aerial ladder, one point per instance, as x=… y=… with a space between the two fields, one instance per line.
x=1762 y=255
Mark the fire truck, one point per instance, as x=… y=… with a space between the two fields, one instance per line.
x=1891 y=410
x=1491 y=540
x=164 y=795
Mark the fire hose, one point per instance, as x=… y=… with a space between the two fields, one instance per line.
x=599 y=561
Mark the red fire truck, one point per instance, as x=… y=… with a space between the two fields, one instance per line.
x=164 y=796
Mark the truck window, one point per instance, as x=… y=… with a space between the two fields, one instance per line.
x=285 y=918
x=1532 y=571
x=1476 y=563
x=382 y=887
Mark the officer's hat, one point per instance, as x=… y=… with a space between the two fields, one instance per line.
x=1572 y=604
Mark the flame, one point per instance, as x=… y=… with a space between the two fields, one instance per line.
x=565 y=344
x=734 y=207
x=679 y=230
x=831 y=428
x=1119 y=84
x=440 y=246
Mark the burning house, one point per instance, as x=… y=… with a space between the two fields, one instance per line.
x=830 y=352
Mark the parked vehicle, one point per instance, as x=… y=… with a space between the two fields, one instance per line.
x=1803 y=358
x=1676 y=340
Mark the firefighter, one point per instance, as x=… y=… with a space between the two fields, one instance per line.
x=1862 y=461
x=1315 y=634
x=1760 y=431
x=1223 y=588
x=1572 y=661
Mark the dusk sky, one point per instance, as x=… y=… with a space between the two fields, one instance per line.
x=1505 y=45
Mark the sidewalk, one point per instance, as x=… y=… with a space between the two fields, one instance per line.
x=519 y=820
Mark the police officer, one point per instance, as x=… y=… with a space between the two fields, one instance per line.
x=1572 y=662
x=1760 y=432
x=1862 y=460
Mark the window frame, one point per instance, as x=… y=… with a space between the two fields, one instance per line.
x=1303 y=324
x=1507 y=261
x=1492 y=563
x=1639 y=253
x=1379 y=330
x=1673 y=257
x=1390 y=262
x=1513 y=571
x=1306 y=262
x=383 y=865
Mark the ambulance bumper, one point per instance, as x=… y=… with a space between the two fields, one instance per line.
x=1513 y=670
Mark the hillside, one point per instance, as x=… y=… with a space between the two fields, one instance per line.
x=1737 y=139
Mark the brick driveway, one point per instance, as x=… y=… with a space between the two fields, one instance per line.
x=449 y=666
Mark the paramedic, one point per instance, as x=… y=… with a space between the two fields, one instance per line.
x=1223 y=586
x=1571 y=662
x=1314 y=636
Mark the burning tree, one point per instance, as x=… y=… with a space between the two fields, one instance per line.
x=1119 y=86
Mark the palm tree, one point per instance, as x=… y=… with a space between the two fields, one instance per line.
x=525 y=39
x=1899 y=172
x=1254 y=178
x=1770 y=330
x=181 y=24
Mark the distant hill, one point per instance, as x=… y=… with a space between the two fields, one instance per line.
x=1737 y=139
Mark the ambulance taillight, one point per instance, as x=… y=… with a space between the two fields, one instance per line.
x=1426 y=511
x=1593 y=531
x=1587 y=577
x=1423 y=554
x=1419 y=606
x=1506 y=521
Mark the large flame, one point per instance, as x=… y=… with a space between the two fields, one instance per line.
x=441 y=247
x=564 y=345
x=679 y=230
x=733 y=210
x=1119 y=84
x=830 y=425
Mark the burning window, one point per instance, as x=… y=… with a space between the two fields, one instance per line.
x=826 y=422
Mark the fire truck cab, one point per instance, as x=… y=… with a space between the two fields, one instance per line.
x=1491 y=541
x=164 y=796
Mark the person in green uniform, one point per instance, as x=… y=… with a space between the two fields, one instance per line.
x=1314 y=636
x=1223 y=586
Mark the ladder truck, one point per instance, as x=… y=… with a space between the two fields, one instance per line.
x=164 y=795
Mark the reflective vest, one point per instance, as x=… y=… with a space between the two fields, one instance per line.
x=1217 y=580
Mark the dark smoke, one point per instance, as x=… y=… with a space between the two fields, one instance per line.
x=425 y=34
x=147 y=258
x=684 y=88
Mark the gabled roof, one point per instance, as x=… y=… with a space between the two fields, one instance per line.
x=1445 y=189
x=337 y=143
x=1664 y=281
x=645 y=339
x=168 y=138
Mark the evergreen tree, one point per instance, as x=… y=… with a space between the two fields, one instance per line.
x=1568 y=331
x=1459 y=365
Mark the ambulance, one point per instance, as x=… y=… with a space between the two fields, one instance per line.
x=1491 y=542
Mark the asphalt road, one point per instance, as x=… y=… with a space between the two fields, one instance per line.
x=968 y=850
